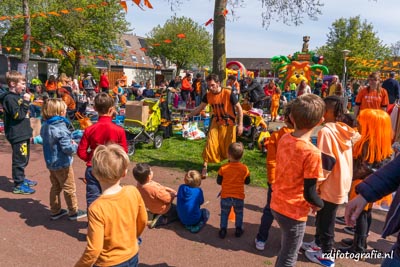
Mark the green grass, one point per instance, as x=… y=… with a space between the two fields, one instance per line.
x=181 y=154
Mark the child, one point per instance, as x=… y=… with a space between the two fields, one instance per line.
x=189 y=199
x=275 y=100
x=267 y=218
x=232 y=176
x=371 y=152
x=58 y=148
x=100 y=133
x=334 y=141
x=118 y=217
x=18 y=130
x=298 y=166
x=158 y=198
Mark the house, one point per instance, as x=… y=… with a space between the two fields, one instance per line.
x=133 y=60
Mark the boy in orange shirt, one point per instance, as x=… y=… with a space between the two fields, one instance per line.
x=267 y=217
x=118 y=217
x=158 y=198
x=232 y=176
x=298 y=166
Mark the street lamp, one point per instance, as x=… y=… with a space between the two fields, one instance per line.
x=345 y=53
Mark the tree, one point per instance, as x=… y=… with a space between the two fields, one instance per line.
x=395 y=50
x=185 y=43
x=289 y=12
x=358 y=37
x=88 y=28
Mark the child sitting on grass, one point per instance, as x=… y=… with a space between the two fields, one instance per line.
x=232 y=176
x=190 y=198
x=158 y=198
x=116 y=218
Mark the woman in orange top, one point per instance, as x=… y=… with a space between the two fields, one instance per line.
x=275 y=98
x=372 y=96
x=51 y=86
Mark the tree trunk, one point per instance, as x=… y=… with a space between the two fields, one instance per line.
x=27 y=36
x=77 y=64
x=219 y=53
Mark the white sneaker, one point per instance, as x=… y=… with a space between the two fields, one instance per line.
x=316 y=257
x=310 y=246
x=260 y=245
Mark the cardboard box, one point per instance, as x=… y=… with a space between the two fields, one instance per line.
x=136 y=110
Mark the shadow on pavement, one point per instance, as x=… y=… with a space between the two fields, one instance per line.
x=37 y=214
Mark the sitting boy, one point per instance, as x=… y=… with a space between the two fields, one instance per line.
x=157 y=198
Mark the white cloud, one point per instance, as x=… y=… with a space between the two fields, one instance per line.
x=245 y=37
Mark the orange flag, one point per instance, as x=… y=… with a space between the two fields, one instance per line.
x=167 y=41
x=224 y=12
x=64 y=11
x=156 y=44
x=124 y=6
x=144 y=49
x=181 y=35
x=137 y=2
x=53 y=13
x=147 y=3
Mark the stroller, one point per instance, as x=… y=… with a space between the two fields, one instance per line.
x=253 y=126
x=145 y=132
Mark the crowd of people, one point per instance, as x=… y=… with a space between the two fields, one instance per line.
x=353 y=158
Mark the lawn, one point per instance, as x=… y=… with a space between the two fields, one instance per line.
x=182 y=154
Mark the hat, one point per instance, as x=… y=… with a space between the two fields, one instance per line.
x=88 y=74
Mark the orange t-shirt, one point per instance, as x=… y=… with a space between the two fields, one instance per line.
x=296 y=160
x=233 y=176
x=156 y=197
x=271 y=148
x=372 y=99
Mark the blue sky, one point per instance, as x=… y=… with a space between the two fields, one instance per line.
x=245 y=37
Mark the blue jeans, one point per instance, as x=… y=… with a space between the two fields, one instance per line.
x=293 y=94
x=93 y=189
x=266 y=219
x=292 y=233
x=226 y=205
x=132 y=262
x=35 y=111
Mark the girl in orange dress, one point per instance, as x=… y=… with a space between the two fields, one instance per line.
x=275 y=98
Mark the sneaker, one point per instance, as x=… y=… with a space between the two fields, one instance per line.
x=316 y=257
x=23 y=189
x=204 y=173
x=60 y=214
x=239 y=231
x=311 y=246
x=153 y=222
x=349 y=230
x=340 y=220
x=30 y=183
x=260 y=245
x=79 y=214
x=222 y=233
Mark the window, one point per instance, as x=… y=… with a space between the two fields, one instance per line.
x=134 y=59
x=144 y=60
x=128 y=44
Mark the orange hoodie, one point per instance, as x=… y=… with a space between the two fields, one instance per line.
x=334 y=141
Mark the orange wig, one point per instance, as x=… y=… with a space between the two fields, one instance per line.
x=376 y=131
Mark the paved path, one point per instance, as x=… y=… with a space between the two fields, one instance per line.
x=29 y=238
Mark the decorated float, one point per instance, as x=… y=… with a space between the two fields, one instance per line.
x=304 y=65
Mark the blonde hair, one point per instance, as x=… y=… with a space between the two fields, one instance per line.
x=53 y=107
x=376 y=134
x=14 y=76
x=110 y=163
x=193 y=178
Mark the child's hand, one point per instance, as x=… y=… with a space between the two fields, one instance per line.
x=27 y=97
x=314 y=209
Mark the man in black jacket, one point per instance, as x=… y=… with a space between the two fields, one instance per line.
x=392 y=87
x=255 y=92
